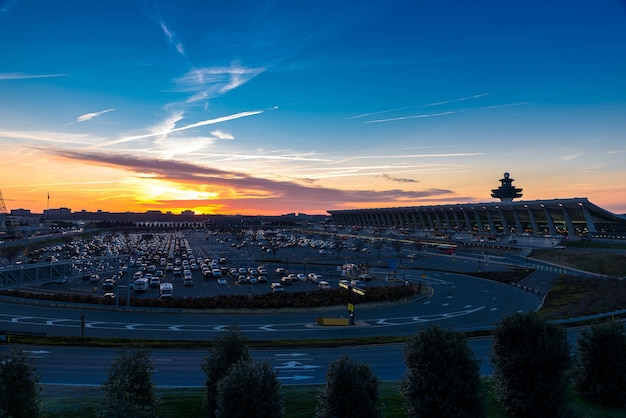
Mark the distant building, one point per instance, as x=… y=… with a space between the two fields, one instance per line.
x=20 y=212
x=56 y=213
x=572 y=218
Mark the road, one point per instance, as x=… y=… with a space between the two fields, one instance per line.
x=182 y=367
x=458 y=301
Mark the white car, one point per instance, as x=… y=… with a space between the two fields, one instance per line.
x=323 y=285
x=221 y=281
x=315 y=278
x=277 y=288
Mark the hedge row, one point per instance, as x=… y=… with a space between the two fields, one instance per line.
x=311 y=299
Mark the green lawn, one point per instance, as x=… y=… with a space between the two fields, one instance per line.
x=62 y=402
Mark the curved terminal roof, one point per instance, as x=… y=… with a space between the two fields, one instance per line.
x=575 y=217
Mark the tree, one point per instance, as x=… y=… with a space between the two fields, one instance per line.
x=531 y=359
x=351 y=391
x=19 y=387
x=600 y=370
x=442 y=378
x=129 y=390
x=249 y=390
x=229 y=348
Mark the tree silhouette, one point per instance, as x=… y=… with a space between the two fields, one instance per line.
x=228 y=349
x=351 y=391
x=249 y=390
x=600 y=370
x=19 y=387
x=129 y=390
x=531 y=359
x=442 y=378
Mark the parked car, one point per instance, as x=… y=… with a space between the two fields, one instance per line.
x=108 y=284
x=277 y=288
x=323 y=285
x=313 y=277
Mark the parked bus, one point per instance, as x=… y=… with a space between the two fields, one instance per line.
x=447 y=249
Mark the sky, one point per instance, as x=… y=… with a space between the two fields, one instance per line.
x=271 y=107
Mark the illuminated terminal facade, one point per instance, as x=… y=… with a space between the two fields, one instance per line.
x=575 y=218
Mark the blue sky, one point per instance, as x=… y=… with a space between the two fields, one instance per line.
x=287 y=106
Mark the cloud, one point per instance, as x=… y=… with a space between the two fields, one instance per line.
x=89 y=116
x=172 y=39
x=6 y=8
x=242 y=185
x=400 y=180
x=21 y=76
x=462 y=99
x=182 y=128
x=222 y=135
x=451 y=112
x=207 y=83
x=426 y=115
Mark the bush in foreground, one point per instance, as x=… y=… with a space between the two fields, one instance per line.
x=600 y=371
x=531 y=359
x=442 y=378
x=250 y=390
x=19 y=386
x=228 y=349
x=351 y=391
x=129 y=390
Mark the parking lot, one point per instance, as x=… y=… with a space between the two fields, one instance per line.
x=239 y=264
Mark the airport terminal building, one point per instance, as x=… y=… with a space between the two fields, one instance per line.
x=575 y=218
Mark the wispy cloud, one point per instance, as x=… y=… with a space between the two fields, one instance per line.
x=207 y=83
x=22 y=76
x=444 y=102
x=451 y=112
x=6 y=7
x=425 y=115
x=172 y=39
x=182 y=128
x=222 y=135
x=397 y=179
x=462 y=99
x=89 y=116
x=49 y=137
x=365 y=115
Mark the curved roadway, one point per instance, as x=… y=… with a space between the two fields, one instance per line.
x=458 y=301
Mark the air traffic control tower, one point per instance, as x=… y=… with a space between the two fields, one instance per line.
x=506 y=192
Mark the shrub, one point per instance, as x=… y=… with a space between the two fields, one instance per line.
x=600 y=370
x=531 y=359
x=442 y=378
x=351 y=391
